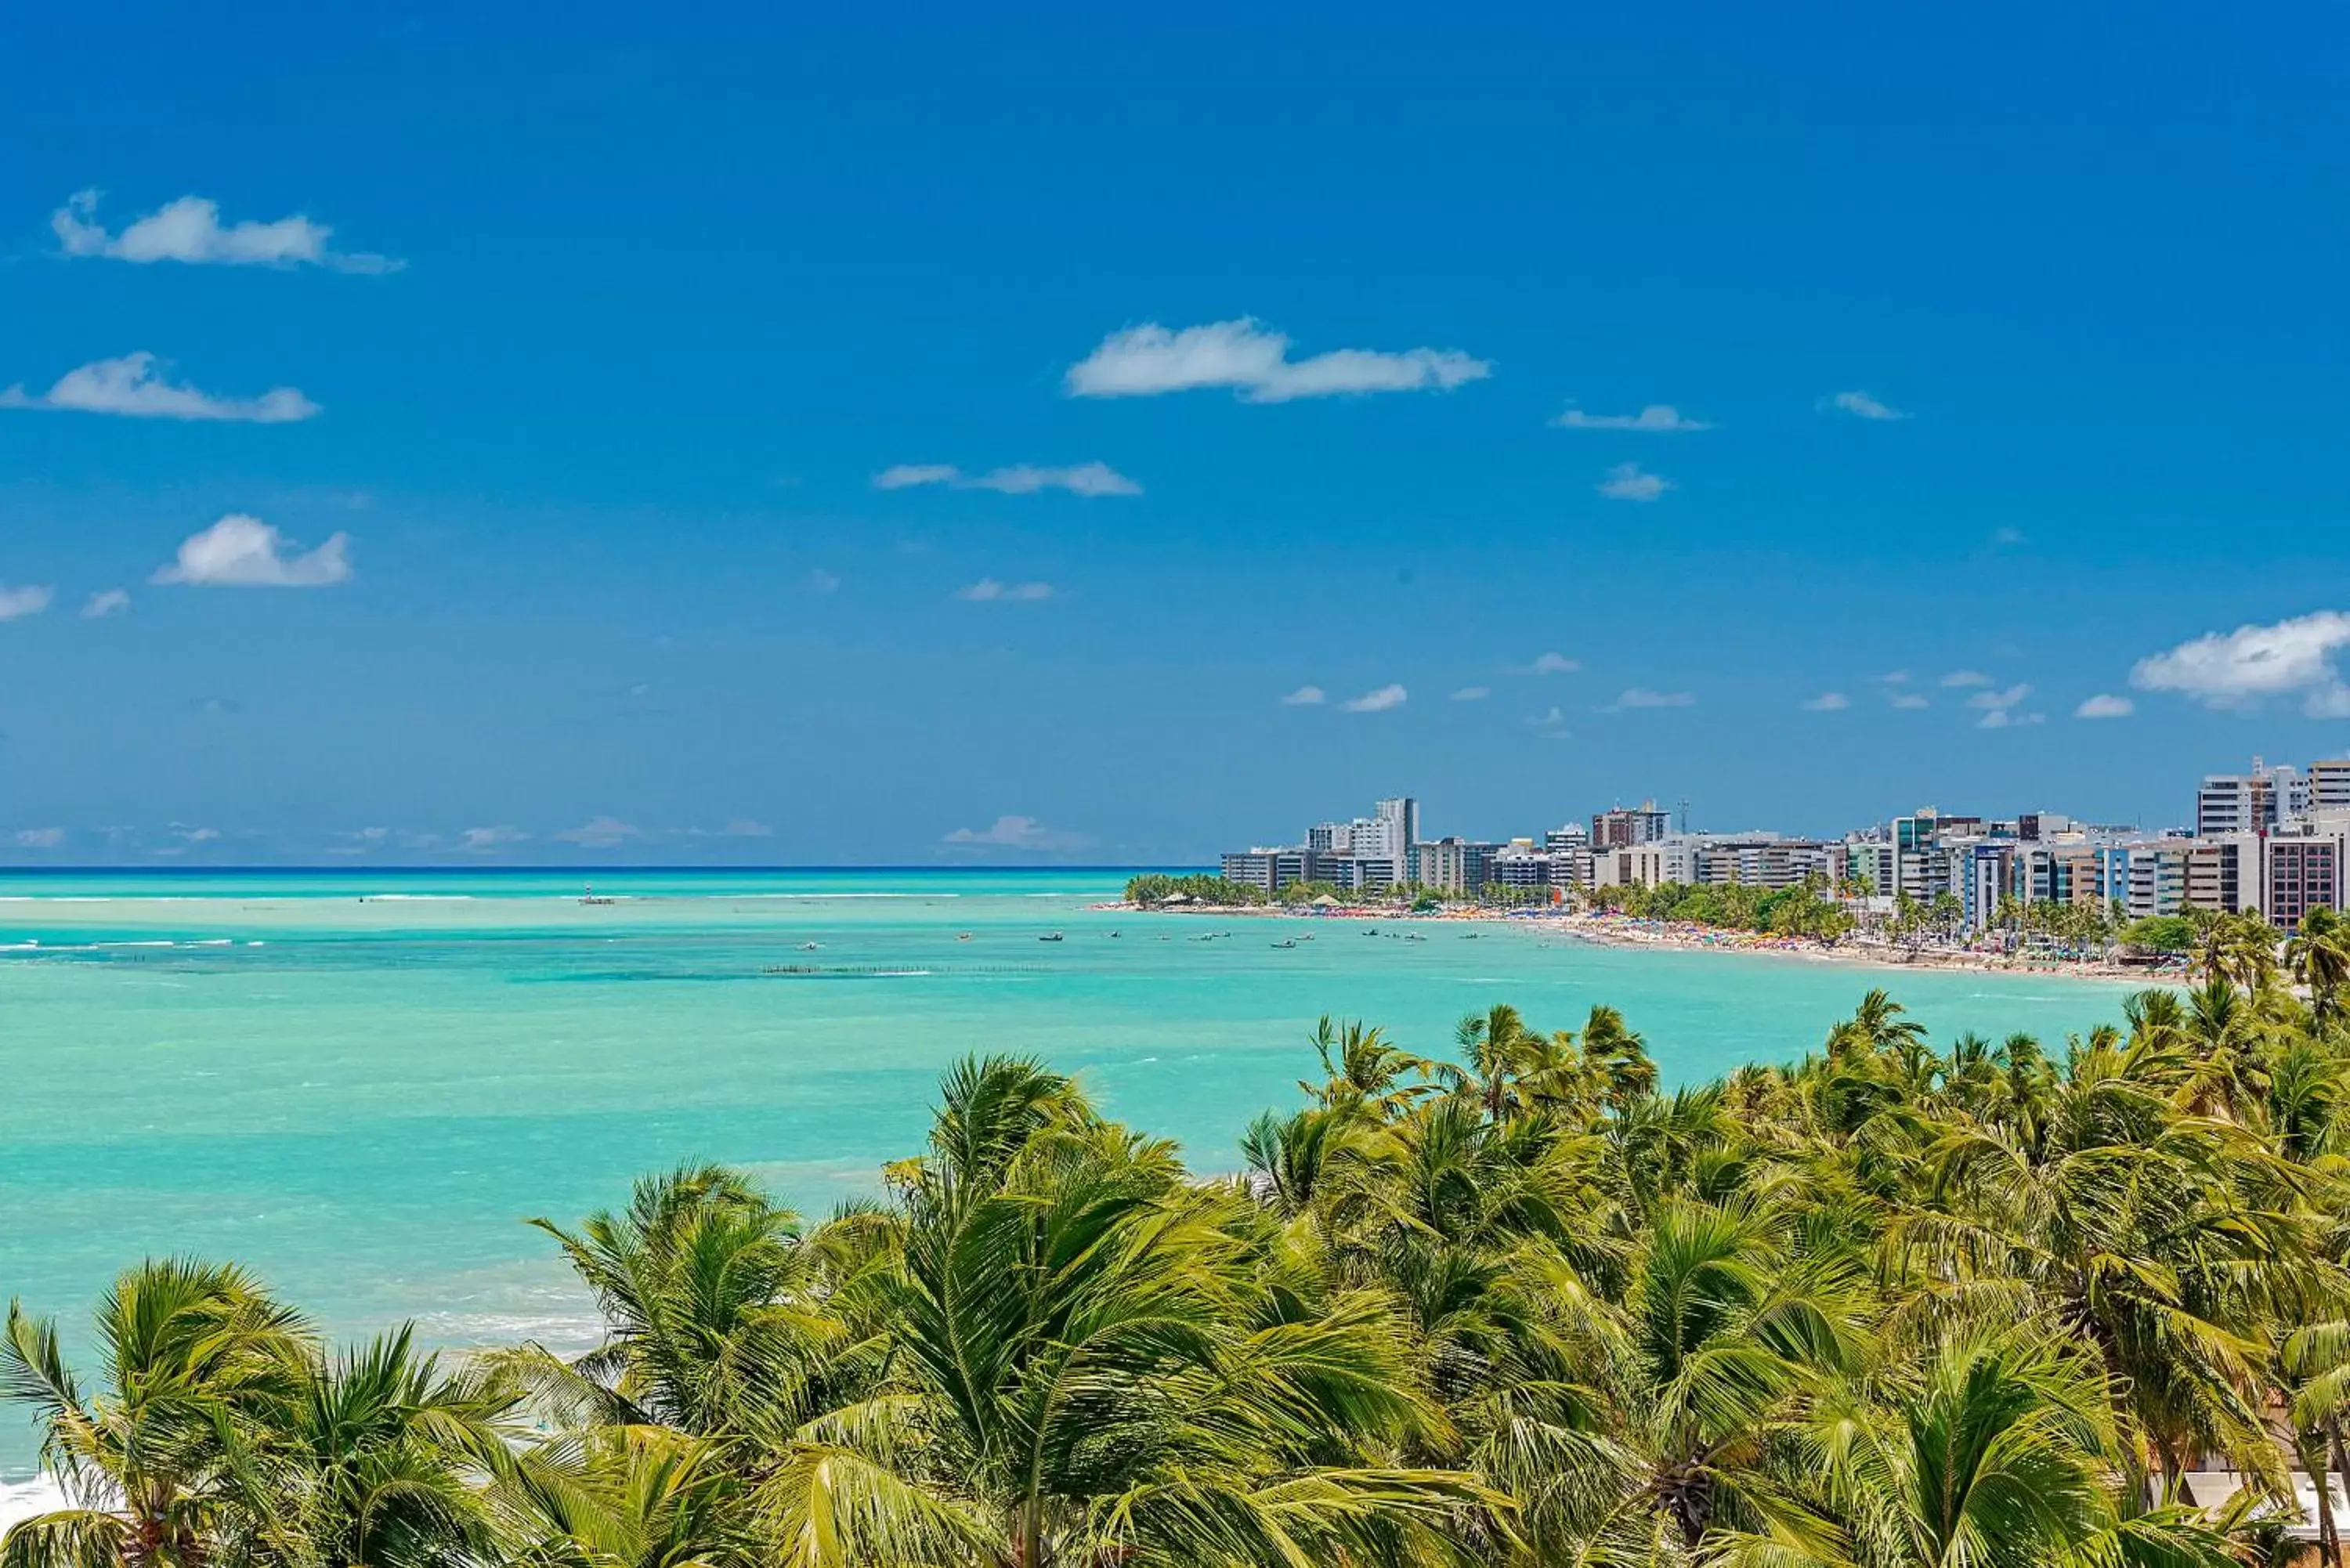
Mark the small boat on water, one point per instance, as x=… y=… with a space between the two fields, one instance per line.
x=589 y=897
x=962 y=937
x=1050 y=937
x=1286 y=943
x=810 y=947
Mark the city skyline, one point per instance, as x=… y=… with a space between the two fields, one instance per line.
x=763 y=440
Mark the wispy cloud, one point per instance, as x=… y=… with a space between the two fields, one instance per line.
x=190 y=230
x=38 y=837
x=1827 y=702
x=599 y=833
x=2104 y=706
x=1551 y=725
x=1910 y=701
x=1643 y=697
x=1625 y=482
x=1998 y=707
x=1253 y=361
x=2008 y=698
x=820 y=581
x=743 y=827
x=104 y=603
x=1016 y=833
x=2248 y=666
x=1305 y=697
x=1547 y=664
x=1379 y=702
x=486 y=840
x=1087 y=479
x=988 y=590
x=132 y=385
x=2006 y=537
x=1958 y=678
x=1863 y=406
x=1662 y=417
x=1472 y=693
x=15 y=604
x=243 y=552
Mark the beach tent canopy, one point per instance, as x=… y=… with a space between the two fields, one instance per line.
x=1176 y=898
x=1323 y=902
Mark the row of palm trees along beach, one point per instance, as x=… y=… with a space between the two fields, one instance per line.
x=2024 y=1301
x=1810 y=917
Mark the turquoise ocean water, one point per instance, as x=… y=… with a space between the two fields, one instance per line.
x=360 y=1084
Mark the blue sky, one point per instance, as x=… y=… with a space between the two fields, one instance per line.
x=533 y=510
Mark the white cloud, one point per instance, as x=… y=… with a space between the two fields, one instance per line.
x=820 y=581
x=1862 y=406
x=1145 y=360
x=481 y=840
x=1910 y=700
x=1305 y=697
x=1660 y=417
x=1958 y=678
x=988 y=590
x=1550 y=721
x=907 y=475
x=1894 y=678
x=1472 y=693
x=1087 y=479
x=1642 y=697
x=599 y=833
x=243 y=552
x=2244 y=667
x=196 y=835
x=132 y=385
x=18 y=603
x=2002 y=718
x=743 y=827
x=104 y=603
x=1999 y=700
x=38 y=837
x=2106 y=706
x=1549 y=664
x=1379 y=702
x=1625 y=482
x=190 y=230
x=2007 y=537
x=1017 y=833
x=1828 y=702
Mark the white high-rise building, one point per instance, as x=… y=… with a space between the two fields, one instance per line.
x=1397 y=823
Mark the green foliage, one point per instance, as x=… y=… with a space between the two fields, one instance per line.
x=1803 y=910
x=1897 y=1303
x=2161 y=933
x=1153 y=888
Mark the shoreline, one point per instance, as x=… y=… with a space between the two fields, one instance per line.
x=1624 y=932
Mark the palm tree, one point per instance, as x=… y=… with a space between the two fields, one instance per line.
x=379 y=1460
x=1362 y=1073
x=198 y=1364
x=1998 y=1449
x=1725 y=1329
x=1088 y=1370
x=713 y=1327
x=2318 y=955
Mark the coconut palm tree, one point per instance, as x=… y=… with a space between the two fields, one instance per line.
x=198 y=1366
x=2318 y=955
x=1998 y=1449
x=380 y=1460
x=1089 y=1368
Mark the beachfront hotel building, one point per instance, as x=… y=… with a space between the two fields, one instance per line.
x=2275 y=839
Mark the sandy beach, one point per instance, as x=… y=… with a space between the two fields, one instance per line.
x=1617 y=931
